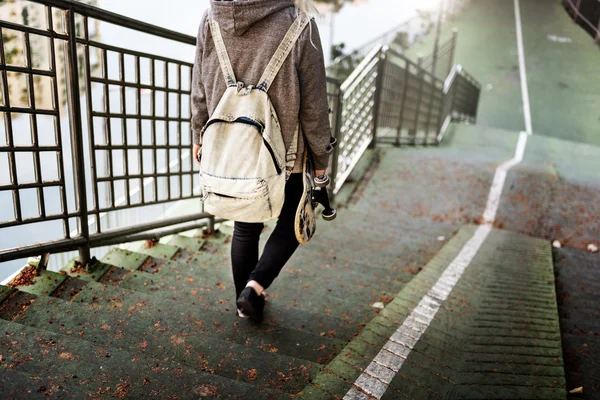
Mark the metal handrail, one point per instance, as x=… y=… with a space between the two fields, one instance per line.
x=118 y=19
x=577 y=14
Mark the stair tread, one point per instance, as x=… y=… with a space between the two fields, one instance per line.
x=110 y=372
x=157 y=333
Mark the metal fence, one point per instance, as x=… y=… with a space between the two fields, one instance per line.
x=126 y=142
x=587 y=14
x=443 y=60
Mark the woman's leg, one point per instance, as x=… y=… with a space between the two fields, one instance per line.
x=244 y=252
x=282 y=243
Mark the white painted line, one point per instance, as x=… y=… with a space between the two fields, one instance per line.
x=367 y=383
x=523 y=71
x=489 y=215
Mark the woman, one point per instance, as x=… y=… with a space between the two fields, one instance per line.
x=252 y=30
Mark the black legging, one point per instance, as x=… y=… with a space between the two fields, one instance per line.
x=278 y=250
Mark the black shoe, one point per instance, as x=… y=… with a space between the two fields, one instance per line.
x=251 y=304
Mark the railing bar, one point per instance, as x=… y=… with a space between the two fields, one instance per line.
x=32 y=185
x=26 y=70
x=76 y=136
x=41 y=248
x=57 y=128
x=91 y=130
x=146 y=176
x=108 y=128
x=167 y=127
x=116 y=19
x=138 y=85
x=136 y=205
x=22 y=110
x=9 y=135
x=26 y=221
x=138 y=109
x=153 y=134
x=28 y=29
x=429 y=110
x=124 y=125
x=19 y=149
x=130 y=52
x=34 y=129
x=403 y=103
x=140 y=117
x=179 y=130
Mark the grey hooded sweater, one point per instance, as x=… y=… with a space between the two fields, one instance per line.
x=252 y=30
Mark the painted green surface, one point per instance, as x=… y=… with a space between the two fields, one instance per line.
x=563 y=77
x=107 y=372
x=482 y=335
x=563 y=90
x=487 y=49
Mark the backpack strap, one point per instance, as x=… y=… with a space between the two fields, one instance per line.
x=290 y=156
x=222 y=53
x=284 y=49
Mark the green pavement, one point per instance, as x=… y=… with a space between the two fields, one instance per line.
x=561 y=63
x=495 y=337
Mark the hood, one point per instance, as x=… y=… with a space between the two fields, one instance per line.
x=236 y=17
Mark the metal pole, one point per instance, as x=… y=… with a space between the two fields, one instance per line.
x=436 y=43
x=598 y=33
x=378 y=93
x=453 y=49
x=337 y=129
x=77 y=138
x=576 y=11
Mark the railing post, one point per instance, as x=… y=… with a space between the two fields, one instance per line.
x=452 y=49
x=436 y=43
x=337 y=128
x=378 y=93
x=77 y=137
x=402 y=104
x=576 y=11
x=210 y=225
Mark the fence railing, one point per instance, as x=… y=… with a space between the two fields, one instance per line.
x=587 y=14
x=125 y=141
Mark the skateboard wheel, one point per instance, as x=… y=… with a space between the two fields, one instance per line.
x=329 y=215
x=322 y=180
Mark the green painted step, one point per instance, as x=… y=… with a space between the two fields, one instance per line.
x=20 y=385
x=288 y=291
x=297 y=319
x=106 y=372
x=159 y=334
x=474 y=341
x=337 y=273
x=224 y=326
x=196 y=282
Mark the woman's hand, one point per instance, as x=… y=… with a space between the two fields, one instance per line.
x=196 y=153
x=319 y=172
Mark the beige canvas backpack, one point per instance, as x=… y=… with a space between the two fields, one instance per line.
x=244 y=164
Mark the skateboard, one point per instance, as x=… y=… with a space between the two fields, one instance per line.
x=314 y=193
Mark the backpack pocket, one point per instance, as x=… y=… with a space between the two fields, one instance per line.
x=244 y=200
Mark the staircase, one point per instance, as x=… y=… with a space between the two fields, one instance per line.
x=160 y=322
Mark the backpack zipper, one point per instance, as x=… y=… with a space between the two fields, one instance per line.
x=257 y=125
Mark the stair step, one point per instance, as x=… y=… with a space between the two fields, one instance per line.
x=107 y=372
x=289 y=291
x=177 y=290
x=157 y=333
x=20 y=385
x=225 y=326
